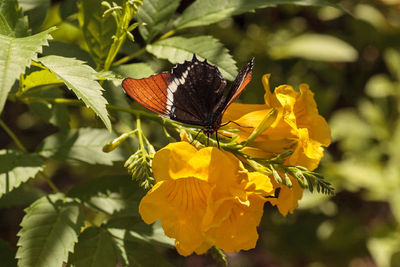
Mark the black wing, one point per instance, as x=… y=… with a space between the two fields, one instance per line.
x=195 y=87
x=242 y=79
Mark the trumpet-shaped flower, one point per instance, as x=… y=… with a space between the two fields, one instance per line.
x=297 y=127
x=204 y=198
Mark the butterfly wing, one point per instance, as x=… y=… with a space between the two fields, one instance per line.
x=188 y=94
x=242 y=79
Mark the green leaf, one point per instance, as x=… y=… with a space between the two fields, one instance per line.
x=49 y=231
x=138 y=231
x=155 y=15
x=40 y=78
x=110 y=195
x=16 y=168
x=36 y=11
x=81 y=79
x=97 y=30
x=13 y=23
x=392 y=60
x=205 y=12
x=24 y=195
x=137 y=253
x=315 y=47
x=83 y=144
x=134 y=70
x=95 y=247
x=179 y=48
x=15 y=55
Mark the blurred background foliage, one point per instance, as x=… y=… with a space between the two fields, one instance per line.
x=351 y=60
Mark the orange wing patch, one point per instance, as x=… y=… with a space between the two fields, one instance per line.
x=150 y=92
x=246 y=80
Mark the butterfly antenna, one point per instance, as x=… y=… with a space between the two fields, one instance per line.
x=226 y=123
x=195 y=138
x=216 y=137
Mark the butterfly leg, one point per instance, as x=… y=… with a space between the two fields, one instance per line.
x=216 y=137
x=195 y=138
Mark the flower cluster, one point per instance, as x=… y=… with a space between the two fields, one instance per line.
x=205 y=197
x=298 y=127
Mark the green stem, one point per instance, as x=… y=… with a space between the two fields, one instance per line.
x=49 y=182
x=140 y=134
x=12 y=135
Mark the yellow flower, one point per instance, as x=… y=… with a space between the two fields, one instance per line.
x=205 y=197
x=298 y=127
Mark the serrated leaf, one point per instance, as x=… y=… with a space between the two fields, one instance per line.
x=49 y=231
x=179 y=48
x=97 y=30
x=15 y=55
x=155 y=15
x=81 y=79
x=16 y=168
x=205 y=12
x=315 y=47
x=13 y=23
x=83 y=145
x=95 y=247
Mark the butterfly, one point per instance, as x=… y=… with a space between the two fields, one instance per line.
x=191 y=93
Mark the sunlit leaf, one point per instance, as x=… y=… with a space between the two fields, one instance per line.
x=95 y=247
x=81 y=79
x=315 y=47
x=392 y=60
x=384 y=248
x=49 y=231
x=83 y=144
x=39 y=78
x=15 y=55
x=13 y=23
x=134 y=70
x=179 y=48
x=155 y=14
x=16 y=168
x=205 y=12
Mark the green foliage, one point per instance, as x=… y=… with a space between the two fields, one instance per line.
x=17 y=53
x=83 y=144
x=179 y=48
x=95 y=247
x=154 y=16
x=81 y=79
x=13 y=23
x=315 y=47
x=205 y=12
x=351 y=63
x=16 y=168
x=49 y=231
